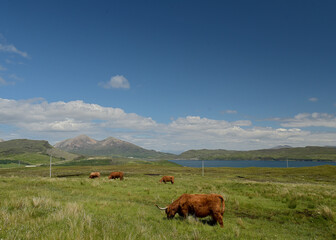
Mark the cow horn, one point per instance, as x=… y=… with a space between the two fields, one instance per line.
x=161 y=208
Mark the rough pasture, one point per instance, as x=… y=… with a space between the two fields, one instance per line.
x=260 y=203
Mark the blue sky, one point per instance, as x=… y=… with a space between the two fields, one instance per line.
x=170 y=75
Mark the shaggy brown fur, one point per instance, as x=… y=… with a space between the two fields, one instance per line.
x=94 y=175
x=198 y=205
x=167 y=179
x=115 y=175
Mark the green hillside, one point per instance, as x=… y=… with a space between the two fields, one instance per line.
x=19 y=146
x=30 y=152
x=302 y=153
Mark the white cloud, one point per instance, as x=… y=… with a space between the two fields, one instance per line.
x=117 y=81
x=313 y=99
x=311 y=120
x=231 y=111
x=56 y=121
x=14 y=77
x=3 y=82
x=40 y=115
x=204 y=124
x=12 y=49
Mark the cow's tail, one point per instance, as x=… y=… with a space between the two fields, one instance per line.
x=223 y=203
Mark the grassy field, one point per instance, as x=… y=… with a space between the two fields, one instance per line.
x=261 y=203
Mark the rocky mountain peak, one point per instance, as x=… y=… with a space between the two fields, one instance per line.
x=108 y=147
x=77 y=142
x=112 y=141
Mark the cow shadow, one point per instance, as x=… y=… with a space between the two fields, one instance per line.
x=205 y=221
x=209 y=222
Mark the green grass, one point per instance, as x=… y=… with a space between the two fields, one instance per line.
x=261 y=203
x=31 y=158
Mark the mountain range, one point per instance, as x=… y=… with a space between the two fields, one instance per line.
x=277 y=153
x=108 y=147
x=38 y=151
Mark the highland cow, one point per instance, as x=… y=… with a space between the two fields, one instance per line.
x=198 y=205
x=115 y=175
x=166 y=179
x=94 y=175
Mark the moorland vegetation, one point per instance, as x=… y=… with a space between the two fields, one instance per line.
x=261 y=203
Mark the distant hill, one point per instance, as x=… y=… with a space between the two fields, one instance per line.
x=28 y=151
x=283 y=153
x=108 y=147
x=281 y=146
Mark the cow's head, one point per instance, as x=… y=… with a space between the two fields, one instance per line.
x=170 y=210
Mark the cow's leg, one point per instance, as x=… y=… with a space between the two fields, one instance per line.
x=218 y=218
x=184 y=213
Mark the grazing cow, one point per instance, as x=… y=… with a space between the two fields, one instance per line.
x=167 y=179
x=115 y=175
x=198 y=205
x=94 y=175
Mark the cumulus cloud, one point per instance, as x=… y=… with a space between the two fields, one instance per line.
x=12 y=49
x=117 y=81
x=311 y=120
x=40 y=115
x=56 y=121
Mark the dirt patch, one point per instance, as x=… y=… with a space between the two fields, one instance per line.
x=69 y=175
x=305 y=212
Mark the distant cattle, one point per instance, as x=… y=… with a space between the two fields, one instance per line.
x=115 y=175
x=198 y=205
x=166 y=179
x=94 y=175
